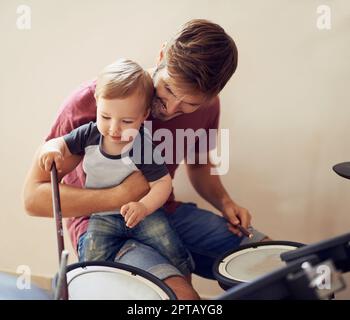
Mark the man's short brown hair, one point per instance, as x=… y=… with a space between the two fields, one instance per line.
x=121 y=79
x=201 y=57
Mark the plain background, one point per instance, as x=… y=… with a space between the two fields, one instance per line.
x=286 y=107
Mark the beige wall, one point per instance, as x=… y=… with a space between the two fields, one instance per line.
x=287 y=107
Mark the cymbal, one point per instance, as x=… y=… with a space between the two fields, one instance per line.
x=343 y=169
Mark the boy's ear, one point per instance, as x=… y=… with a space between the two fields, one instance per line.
x=161 y=54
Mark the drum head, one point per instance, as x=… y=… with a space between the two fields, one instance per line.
x=249 y=262
x=114 y=281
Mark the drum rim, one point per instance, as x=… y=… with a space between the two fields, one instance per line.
x=129 y=268
x=228 y=282
x=244 y=288
x=317 y=248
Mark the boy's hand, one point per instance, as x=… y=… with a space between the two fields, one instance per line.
x=133 y=213
x=46 y=159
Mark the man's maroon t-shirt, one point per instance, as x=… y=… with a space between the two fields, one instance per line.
x=80 y=108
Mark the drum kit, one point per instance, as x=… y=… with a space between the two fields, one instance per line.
x=272 y=270
x=308 y=272
x=280 y=270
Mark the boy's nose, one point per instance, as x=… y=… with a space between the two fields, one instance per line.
x=114 y=130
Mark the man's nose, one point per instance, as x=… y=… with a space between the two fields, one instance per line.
x=173 y=106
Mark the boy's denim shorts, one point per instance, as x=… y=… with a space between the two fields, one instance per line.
x=107 y=234
x=203 y=233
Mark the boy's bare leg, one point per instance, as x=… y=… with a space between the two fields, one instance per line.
x=182 y=289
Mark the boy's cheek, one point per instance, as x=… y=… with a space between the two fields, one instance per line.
x=129 y=134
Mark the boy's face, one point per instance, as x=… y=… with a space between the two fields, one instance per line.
x=115 y=116
x=170 y=101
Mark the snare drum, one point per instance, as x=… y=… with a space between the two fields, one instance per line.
x=98 y=280
x=248 y=262
x=289 y=282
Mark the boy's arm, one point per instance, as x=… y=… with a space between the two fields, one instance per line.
x=159 y=193
x=134 y=212
x=76 y=201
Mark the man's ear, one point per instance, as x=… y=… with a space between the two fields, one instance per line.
x=161 y=54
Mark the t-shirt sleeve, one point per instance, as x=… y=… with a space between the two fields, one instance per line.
x=78 y=139
x=78 y=109
x=153 y=171
x=151 y=163
x=211 y=128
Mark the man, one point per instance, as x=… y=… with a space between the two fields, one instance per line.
x=191 y=71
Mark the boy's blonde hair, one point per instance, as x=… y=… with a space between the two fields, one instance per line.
x=123 y=78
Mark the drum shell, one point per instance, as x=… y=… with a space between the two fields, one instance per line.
x=120 y=266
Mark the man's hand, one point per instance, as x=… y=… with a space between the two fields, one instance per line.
x=133 y=213
x=236 y=215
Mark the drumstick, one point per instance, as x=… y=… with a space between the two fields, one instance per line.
x=62 y=290
x=244 y=231
x=56 y=203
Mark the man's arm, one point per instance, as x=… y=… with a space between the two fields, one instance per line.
x=77 y=201
x=210 y=188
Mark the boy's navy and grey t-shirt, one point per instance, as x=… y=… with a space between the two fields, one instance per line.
x=103 y=170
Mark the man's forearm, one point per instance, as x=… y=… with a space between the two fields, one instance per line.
x=208 y=186
x=75 y=201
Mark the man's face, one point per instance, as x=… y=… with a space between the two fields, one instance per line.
x=170 y=101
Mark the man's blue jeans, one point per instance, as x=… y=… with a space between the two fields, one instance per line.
x=203 y=233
